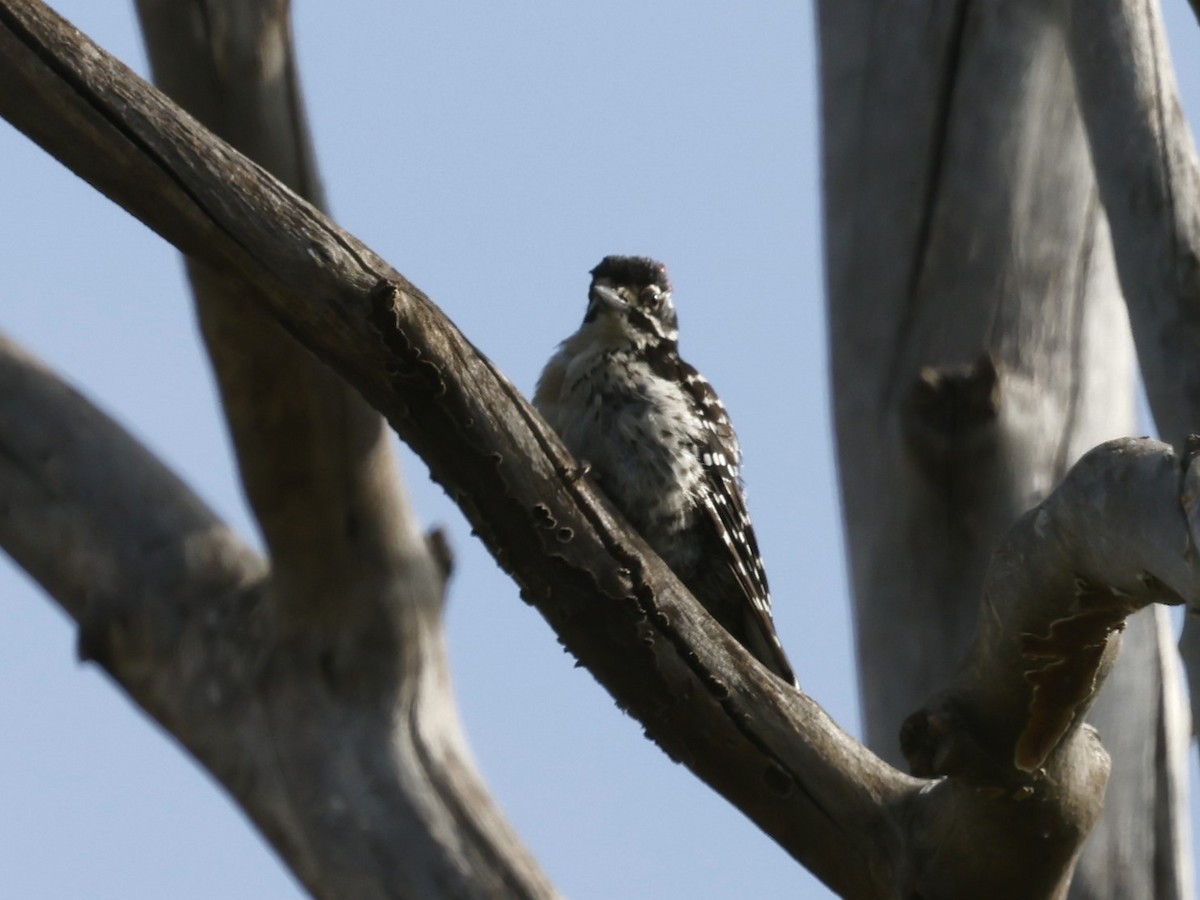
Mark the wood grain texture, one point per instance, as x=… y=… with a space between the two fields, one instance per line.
x=1149 y=181
x=967 y=235
x=324 y=718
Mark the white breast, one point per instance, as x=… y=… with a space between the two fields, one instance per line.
x=637 y=433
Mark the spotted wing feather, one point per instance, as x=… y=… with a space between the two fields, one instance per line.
x=725 y=504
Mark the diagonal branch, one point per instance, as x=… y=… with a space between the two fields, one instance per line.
x=617 y=608
x=353 y=584
x=315 y=459
x=96 y=519
x=177 y=610
x=769 y=749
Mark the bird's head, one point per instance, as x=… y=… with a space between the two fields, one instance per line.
x=630 y=301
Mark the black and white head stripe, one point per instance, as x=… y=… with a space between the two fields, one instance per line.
x=638 y=288
x=632 y=271
x=659 y=443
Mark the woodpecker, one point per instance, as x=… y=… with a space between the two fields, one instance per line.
x=656 y=439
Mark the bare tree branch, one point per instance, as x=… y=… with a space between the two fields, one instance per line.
x=100 y=523
x=315 y=459
x=1026 y=781
x=1145 y=159
x=178 y=178
x=964 y=357
x=979 y=345
x=178 y=611
x=347 y=556
x=1057 y=595
x=1146 y=167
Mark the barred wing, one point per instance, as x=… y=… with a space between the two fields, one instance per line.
x=746 y=613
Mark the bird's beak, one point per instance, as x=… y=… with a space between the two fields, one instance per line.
x=605 y=297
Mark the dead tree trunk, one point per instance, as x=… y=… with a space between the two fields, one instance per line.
x=316 y=688
x=980 y=344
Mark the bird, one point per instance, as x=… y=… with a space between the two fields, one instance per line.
x=651 y=433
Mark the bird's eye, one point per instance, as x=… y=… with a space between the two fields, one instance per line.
x=651 y=296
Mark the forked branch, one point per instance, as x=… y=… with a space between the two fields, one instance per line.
x=1026 y=781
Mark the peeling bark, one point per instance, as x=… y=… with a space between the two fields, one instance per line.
x=1017 y=782
x=1149 y=179
x=979 y=345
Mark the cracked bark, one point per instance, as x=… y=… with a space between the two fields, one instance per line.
x=348 y=640
x=1007 y=229
x=1021 y=788
x=1146 y=165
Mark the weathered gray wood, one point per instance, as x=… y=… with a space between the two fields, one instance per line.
x=191 y=640
x=1028 y=673
x=352 y=770
x=347 y=556
x=979 y=344
x=1024 y=781
x=1145 y=158
x=316 y=461
x=99 y=522
x=619 y=610
x=1120 y=872
x=1149 y=180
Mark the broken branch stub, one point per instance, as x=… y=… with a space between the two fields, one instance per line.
x=1117 y=535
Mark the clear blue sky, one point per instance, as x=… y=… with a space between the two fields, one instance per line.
x=492 y=154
